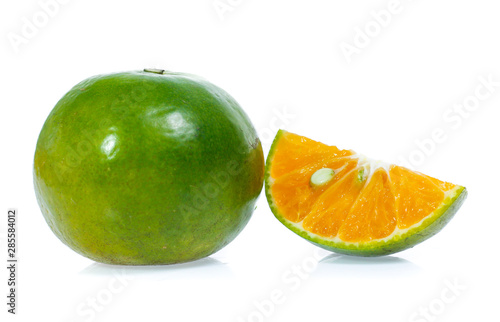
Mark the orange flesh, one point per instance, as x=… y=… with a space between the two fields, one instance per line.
x=359 y=204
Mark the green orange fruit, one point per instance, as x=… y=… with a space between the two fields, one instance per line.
x=147 y=167
x=347 y=203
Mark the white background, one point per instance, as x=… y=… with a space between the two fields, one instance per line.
x=282 y=60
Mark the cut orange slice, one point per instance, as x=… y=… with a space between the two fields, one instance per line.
x=347 y=203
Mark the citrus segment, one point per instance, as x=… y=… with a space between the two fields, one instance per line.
x=328 y=212
x=294 y=194
x=359 y=206
x=416 y=196
x=316 y=152
x=373 y=215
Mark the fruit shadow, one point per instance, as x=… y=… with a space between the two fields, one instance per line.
x=203 y=268
x=366 y=267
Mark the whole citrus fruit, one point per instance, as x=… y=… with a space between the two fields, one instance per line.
x=147 y=167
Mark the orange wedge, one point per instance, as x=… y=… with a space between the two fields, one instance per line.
x=347 y=203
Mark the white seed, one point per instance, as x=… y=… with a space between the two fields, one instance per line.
x=322 y=176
